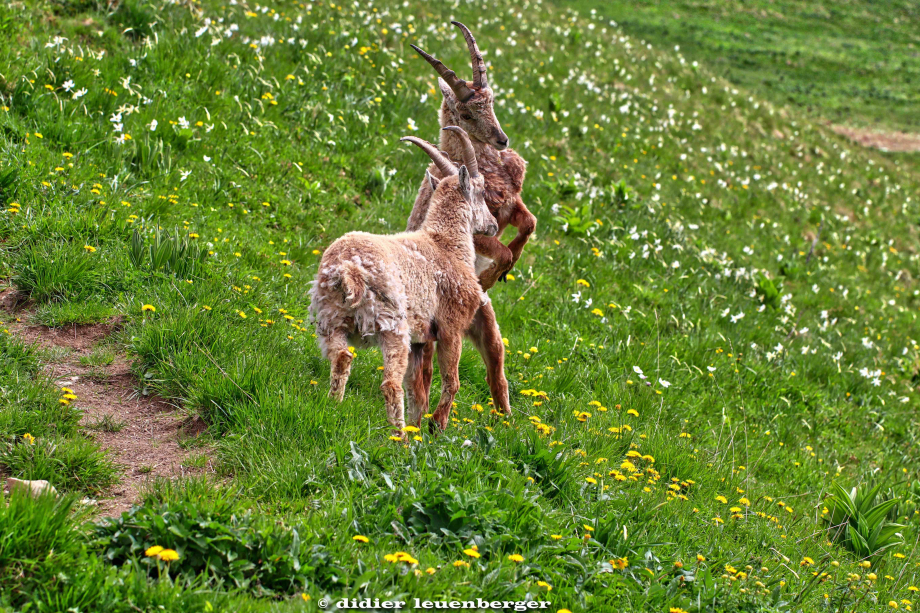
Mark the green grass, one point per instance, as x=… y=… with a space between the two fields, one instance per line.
x=851 y=62
x=31 y=530
x=48 y=562
x=710 y=329
x=103 y=355
x=107 y=423
x=39 y=427
x=199 y=460
x=60 y=314
x=73 y=464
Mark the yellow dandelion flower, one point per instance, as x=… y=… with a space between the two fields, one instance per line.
x=402 y=556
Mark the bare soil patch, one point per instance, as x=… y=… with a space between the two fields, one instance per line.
x=898 y=142
x=141 y=433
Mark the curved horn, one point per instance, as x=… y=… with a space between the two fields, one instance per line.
x=480 y=79
x=469 y=154
x=457 y=84
x=440 y=160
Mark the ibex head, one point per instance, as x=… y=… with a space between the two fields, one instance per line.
x=470 y=183
x=470 y=102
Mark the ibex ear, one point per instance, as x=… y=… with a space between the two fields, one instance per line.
x=432 y=181
x=448 y=93
x=464 y=181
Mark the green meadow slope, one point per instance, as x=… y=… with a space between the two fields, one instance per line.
x=715 y=323
x=851 y=62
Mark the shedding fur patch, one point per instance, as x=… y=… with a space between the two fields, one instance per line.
x=359 y=297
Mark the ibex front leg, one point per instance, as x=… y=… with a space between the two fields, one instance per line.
x=526 y=223
x=501 y=256
x=505 y=258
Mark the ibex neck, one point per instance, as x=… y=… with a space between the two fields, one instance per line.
x=446 y=220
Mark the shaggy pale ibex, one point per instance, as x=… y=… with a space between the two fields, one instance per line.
x=415 y=286
x=470 y=106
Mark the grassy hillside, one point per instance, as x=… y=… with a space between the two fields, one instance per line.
x=851 y=62
x=715 y=323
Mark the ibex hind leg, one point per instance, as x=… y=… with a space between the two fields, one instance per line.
x=395 y=351
x=487 y=338
x=449 y=348
x=417 y=382
x=340 y=359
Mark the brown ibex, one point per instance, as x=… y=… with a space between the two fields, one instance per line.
x=470 y=105
x=416 y=286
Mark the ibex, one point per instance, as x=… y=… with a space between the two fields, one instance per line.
x=470 y=106
x=418 y=286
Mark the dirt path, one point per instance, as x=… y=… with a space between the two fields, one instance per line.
x=897 y=142
x=141 y=433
